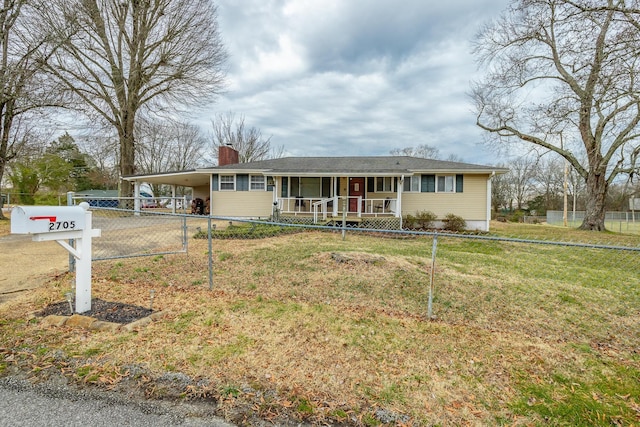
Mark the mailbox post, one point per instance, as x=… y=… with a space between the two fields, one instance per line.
x=61 y=223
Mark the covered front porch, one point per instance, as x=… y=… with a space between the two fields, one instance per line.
x=328 y=197
x=322 y=208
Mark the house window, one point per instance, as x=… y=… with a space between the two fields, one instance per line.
x=227 y=182
x=411 y=184
x=257 y=183
x=385 y=184
x=310 y=187
x=446 y=184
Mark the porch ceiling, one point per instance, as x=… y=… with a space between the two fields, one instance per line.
x=185 y=179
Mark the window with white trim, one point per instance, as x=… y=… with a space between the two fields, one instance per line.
x=446 y=183
x=257 y=183
x=411 y=184
x=385 y=184
x=227 y=182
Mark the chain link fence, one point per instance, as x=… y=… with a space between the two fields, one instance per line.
x=589 y=259
x=619 y=222
x=129 y=234
x=153 y=229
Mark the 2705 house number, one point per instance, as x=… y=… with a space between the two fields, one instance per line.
x=62 y=225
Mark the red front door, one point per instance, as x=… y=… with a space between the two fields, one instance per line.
x=356 y=188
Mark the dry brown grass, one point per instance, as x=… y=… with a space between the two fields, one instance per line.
x=5 y=226
x=289 y=331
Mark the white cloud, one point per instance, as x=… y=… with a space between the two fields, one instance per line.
x=285 y=61
x=357 y=77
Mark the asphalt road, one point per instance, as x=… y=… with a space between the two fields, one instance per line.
x=24 y=404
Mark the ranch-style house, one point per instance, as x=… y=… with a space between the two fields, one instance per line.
x=321 y=189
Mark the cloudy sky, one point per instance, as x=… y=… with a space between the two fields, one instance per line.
x=355 y=77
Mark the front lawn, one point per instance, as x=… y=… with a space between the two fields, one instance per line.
x=308 y=327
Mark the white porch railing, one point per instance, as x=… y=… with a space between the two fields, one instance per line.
x=322 y=207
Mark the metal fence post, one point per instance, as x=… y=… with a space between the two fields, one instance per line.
x=210 y=237
x=432 y=276
x=185 y=240
x=345 y=204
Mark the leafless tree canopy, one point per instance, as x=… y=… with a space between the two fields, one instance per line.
x=249 y=142
x=23 y=88
x=123 y=59
x=424 y=151
x=168 y=146
x=563 y=75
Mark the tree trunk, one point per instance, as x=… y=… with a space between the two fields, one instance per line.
x=2 y=170
x=127 y=154
x=126 y=166
x=7 y=121
x=595 y=206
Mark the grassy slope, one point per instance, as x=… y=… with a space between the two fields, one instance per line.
x=525 y=334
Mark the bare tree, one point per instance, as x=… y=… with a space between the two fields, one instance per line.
x=560 y=68
x=424 y=151
x=169 y=146
x=501 y=191
x=23 y=90
x=103 y=150
x=249 y=142
x=548 y=179
x=124 y=59
x=522 y=172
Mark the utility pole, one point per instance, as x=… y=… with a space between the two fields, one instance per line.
x=566 y=173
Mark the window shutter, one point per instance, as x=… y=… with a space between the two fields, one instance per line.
x=215 y=182
x=242 y=182
x=428 y=184
x=284 y=188
x=459 y=180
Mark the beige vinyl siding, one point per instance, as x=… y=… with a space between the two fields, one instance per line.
x=242 y=203
x=372 y=195
x=471 y=204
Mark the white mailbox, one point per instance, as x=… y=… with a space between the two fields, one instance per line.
x=46 y=219
x=58 y=223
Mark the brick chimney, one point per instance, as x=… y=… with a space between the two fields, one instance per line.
x=227 y=155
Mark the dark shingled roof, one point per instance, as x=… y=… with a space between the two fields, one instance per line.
x=351 y=165
x=322 y=166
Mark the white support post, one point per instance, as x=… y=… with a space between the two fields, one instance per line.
x=174 y=202
x=398 y=213
x=43 y=222
x=83 y=267
x=488 y=210
x=136 y=198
